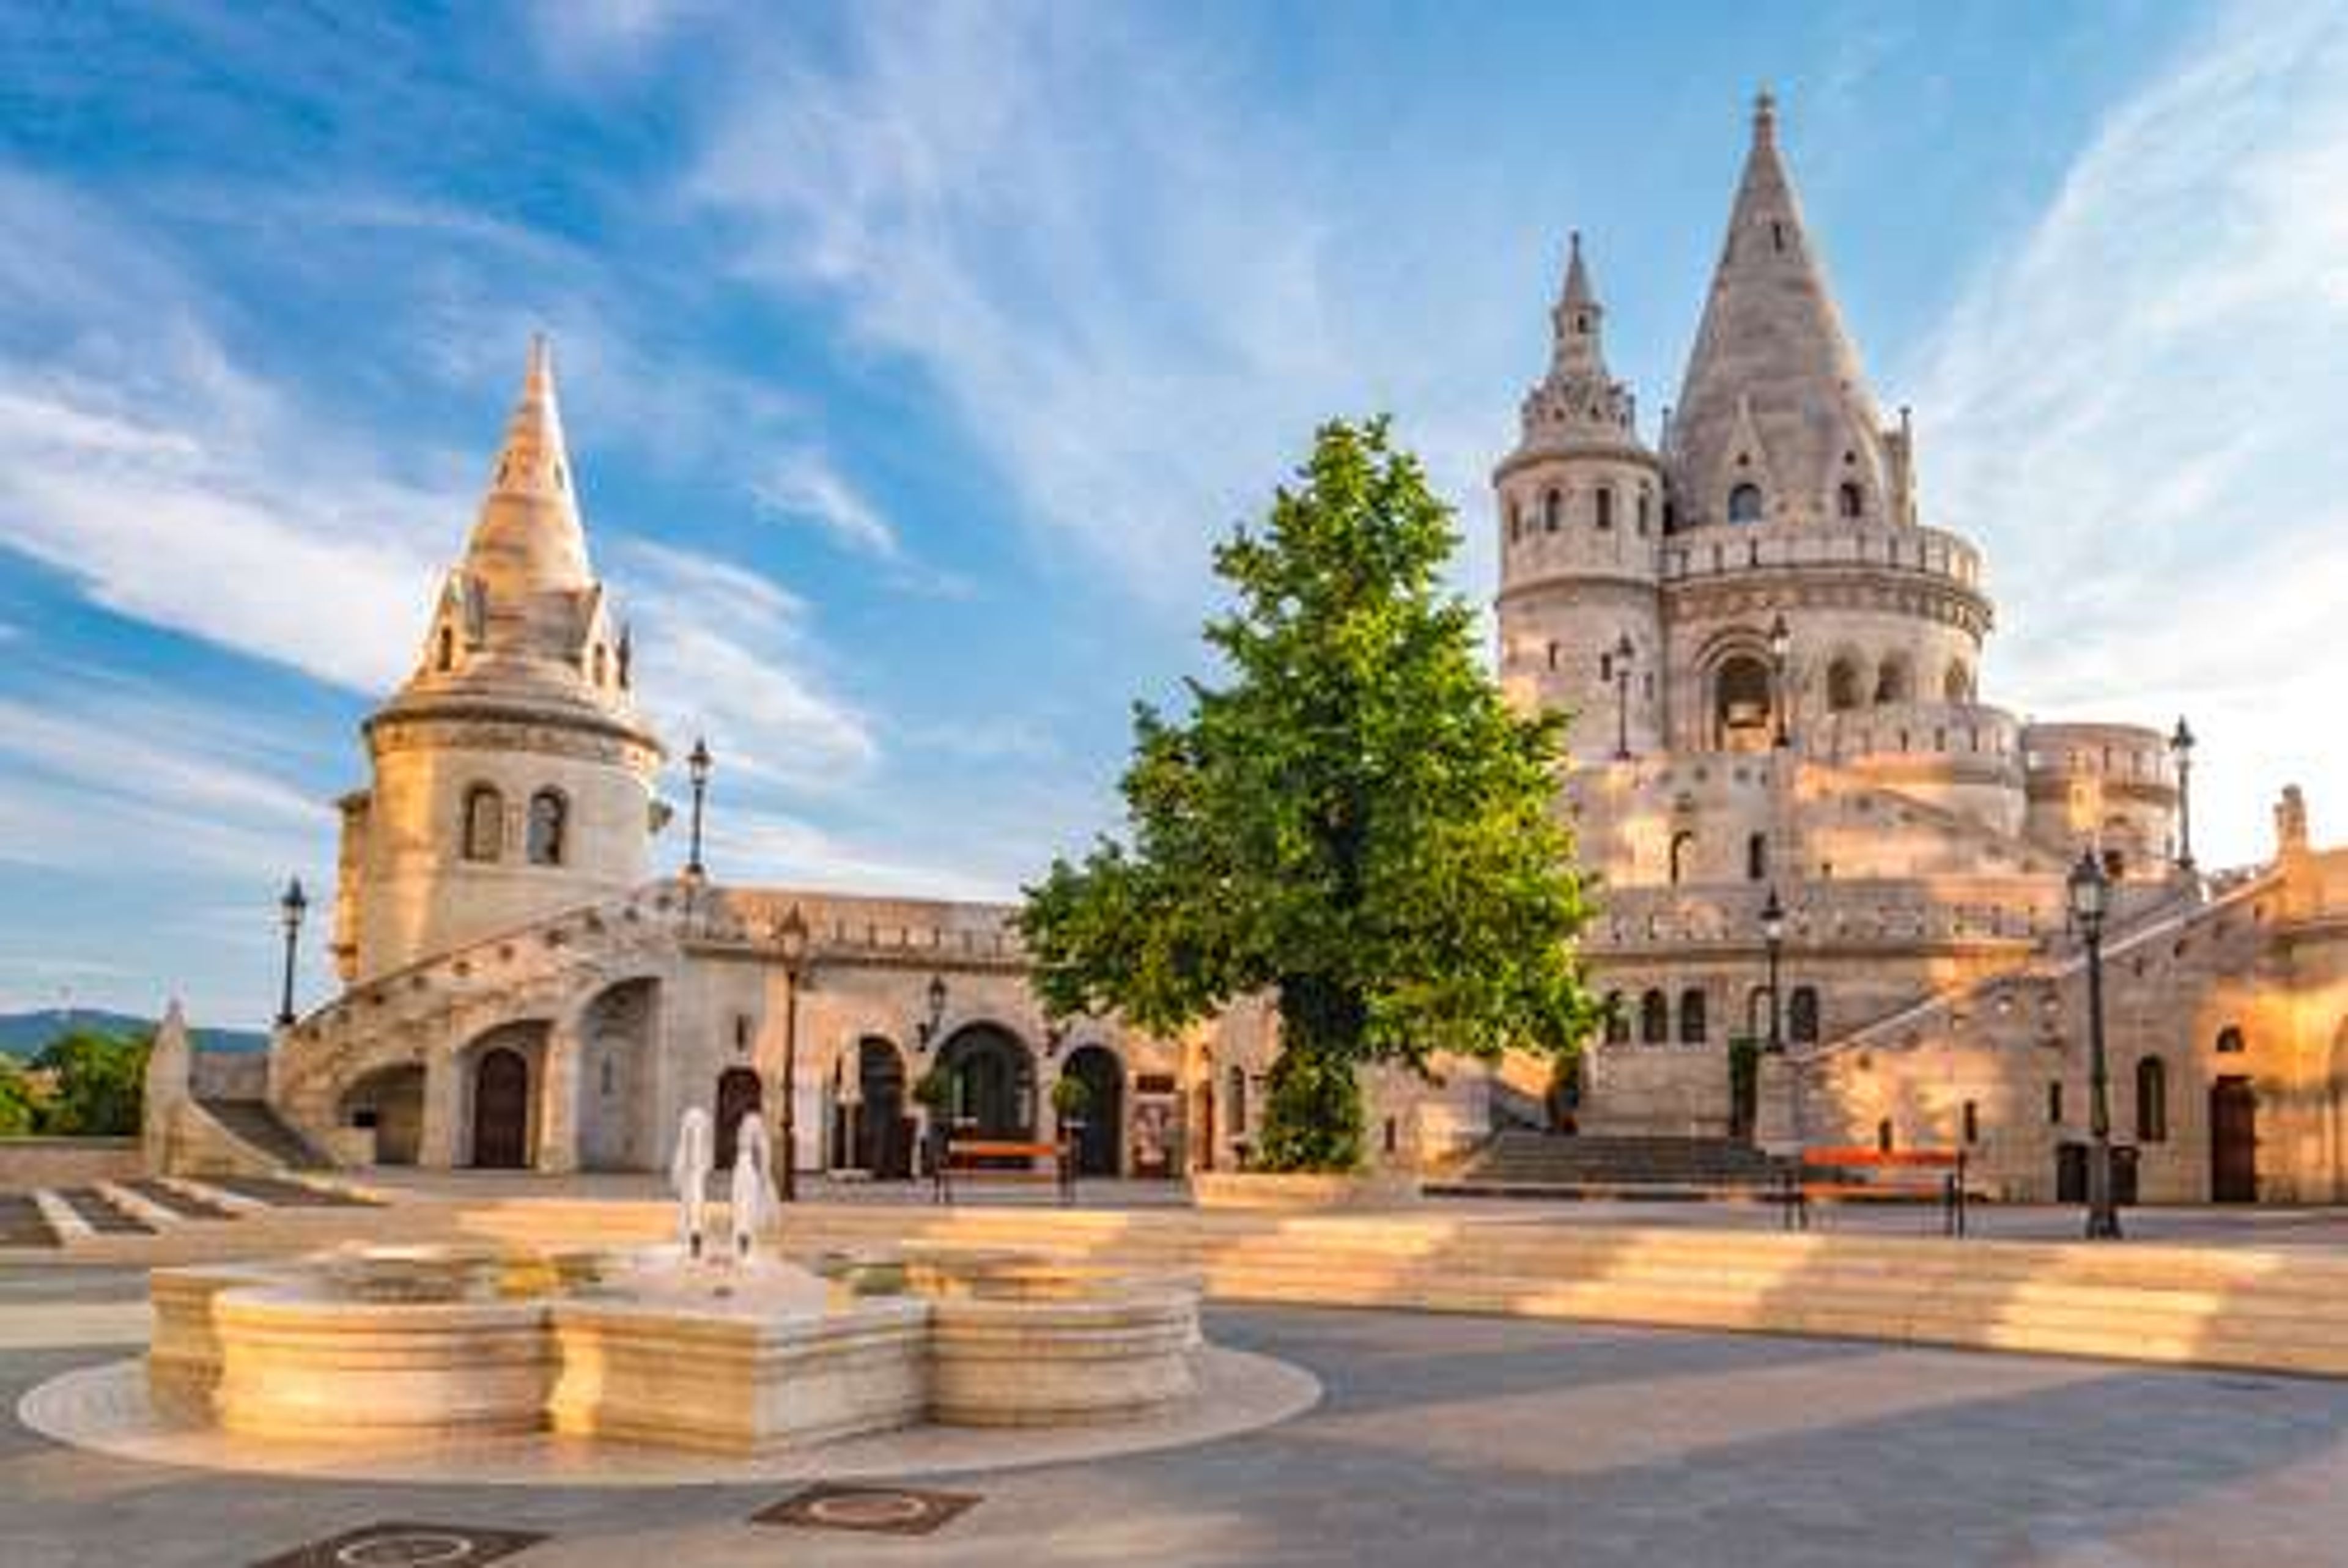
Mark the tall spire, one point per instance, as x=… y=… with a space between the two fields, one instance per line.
x=1773 y=341
x=1578 y=400
x=529 y=537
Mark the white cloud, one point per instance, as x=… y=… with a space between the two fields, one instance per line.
x=2137 y=410
x=805 y=485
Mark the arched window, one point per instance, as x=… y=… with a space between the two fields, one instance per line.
x=1842 y=684
x=1757 y=857
x=448 y=659
x=1516 y=520
x=548 y=818
x=1957 y=686
x=1745 y=503
x=2229 y=1040
x=1646 y=509
x=1741 y=703
x=1618 y=1022
x=602 y=664
x=1654 y=1019
x=1602 y=508
x=1552 y=510
x=1692 y=1016
x=1552 y=655
x=1850 y=501
x=1683 y=852
x=1894 y=680
x=1972 y=1123
x=485 y=823
x=2151 y=1101
x=1802 y=1015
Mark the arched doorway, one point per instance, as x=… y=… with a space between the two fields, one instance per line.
x=880 y=1137
x=502 y=1110
x=1741 y=703
x=615 y=1079
x=389 y=1102
x=1097 y=1068
x=740 y=1094
x=2234 y=1142
x=992 y=1079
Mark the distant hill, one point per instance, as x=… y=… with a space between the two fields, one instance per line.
x=22 y=1033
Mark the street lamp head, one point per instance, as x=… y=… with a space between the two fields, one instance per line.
x=2180 y=742
x=696 y=761
x=2090 y=892
x=791 y=937
x=292 y=903
x=1781 y=639
x=1773 y=919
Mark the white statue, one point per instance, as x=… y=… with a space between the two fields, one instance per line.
x=688 y=1178
x=753 y=1184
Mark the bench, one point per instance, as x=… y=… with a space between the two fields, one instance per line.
x=1874 y=1176
x=976 y=1159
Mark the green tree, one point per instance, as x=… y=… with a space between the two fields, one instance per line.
x=20 y=1105
x=1354 y=823
x=101 y=1082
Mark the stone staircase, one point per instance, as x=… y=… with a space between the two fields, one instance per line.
x=1553 y=1166
x=253 y=1123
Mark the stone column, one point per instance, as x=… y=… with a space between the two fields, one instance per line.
x=1774 y=1127
x=443 y=1105
x=558 y=1101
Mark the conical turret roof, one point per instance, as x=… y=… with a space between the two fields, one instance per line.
x=527 y=538
x=1773 y=362
x=1578 y=404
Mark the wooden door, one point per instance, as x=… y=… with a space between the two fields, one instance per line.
x=501 y=1110
x=2234 y=1142
x=740 y=1094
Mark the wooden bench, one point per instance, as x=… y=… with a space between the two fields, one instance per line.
x=1874 y=1176
x=970 y=1160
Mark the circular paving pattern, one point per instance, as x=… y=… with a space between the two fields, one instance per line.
x=105 y=1408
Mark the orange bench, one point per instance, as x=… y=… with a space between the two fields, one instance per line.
x=968 y=1159
x=1874 y=1176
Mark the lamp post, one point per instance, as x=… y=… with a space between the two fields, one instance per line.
x=696 y=768
x=1623 y=652
x=2180 y=746
x=1781 y=644
x=2090 y=893
x=1773 y=942
x=291 y=905
x=791 y=946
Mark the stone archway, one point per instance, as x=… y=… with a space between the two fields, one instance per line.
x=617 y=1079
x=389 y=1102
x=740 y=1094
x=992 y=1075
x=1743 y=697
x=502 y=1110
x=1102 y=1135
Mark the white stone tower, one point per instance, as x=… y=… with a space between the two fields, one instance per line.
x=512 y=776
x=1581 y=509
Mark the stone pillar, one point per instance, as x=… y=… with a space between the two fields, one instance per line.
x=558 y=1103
x=444 y=1102
x=167 y=1091
x=1774 y=1124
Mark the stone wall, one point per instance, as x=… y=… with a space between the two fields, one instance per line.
x=26 y=1163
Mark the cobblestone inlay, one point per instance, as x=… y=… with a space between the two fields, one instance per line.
x=871 y=1510
x=401 y=1545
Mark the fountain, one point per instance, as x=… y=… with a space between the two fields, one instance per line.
x=740 y=1353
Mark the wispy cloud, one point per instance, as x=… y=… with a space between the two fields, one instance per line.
x=804 y=486
x=2137 y=409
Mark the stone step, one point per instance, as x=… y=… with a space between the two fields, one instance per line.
x=254 y=1124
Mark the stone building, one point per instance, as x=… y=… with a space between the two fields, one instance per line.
x=1772 y=665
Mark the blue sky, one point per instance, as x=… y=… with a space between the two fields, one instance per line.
x=913 y=354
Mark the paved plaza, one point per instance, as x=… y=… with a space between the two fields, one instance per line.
x=1439 y=1439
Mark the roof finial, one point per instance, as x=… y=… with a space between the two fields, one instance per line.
x=1765 y=115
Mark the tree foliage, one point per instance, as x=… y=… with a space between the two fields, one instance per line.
x=1354 y=821
x=98 y=1083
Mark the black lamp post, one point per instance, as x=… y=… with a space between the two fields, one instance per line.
x=1773 y=941
x=2180 y=746
x=696 y=768
x=291 y=905
x=1623 y=652
x=1781 y=644
x=2090 y=892
x=791 y=946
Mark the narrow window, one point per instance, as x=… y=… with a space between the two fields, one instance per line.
x=602 y=665
x=2151 y=1101
x=1602 y=505
x=1802 y=1015
x=1692 y=1016
x=1552 y=509
x=1237 y=1080
x=448 y=660
x=547 y=815
x=1654 y=1019
x=1883 y=1135
x=1850 y=499
x=485 y=823
x=1646 y=509
x=2230 y=1041
x=1972 y=1123
x=1683 y=846
x=1618 y=1022
x=1606 y=666
x=1516 y=521
x=1757 y=857
x=2055 y=1102
x=1745 y=503
x=1552 y=655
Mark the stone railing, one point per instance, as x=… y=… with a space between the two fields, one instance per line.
x=1718 y=550
x=2016 y=910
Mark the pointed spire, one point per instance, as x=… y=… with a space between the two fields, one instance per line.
x=529 y=537
x=1772 y=338
x=1577 y=292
